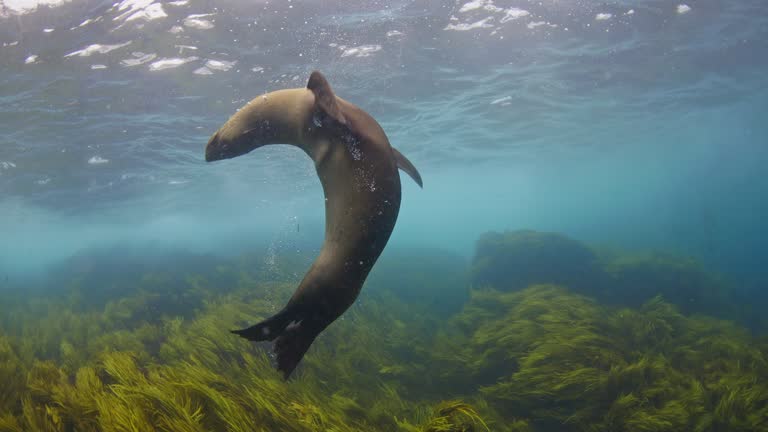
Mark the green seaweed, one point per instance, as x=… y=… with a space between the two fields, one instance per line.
x=11 y=381
x=559 y=357
x=129 y=371
x=159 y=357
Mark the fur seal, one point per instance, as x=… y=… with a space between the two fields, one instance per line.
x=358 y=170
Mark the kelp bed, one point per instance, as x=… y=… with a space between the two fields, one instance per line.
x=159 y=357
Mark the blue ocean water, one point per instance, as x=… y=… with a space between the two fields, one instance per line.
x=588 y=251
x=639 y=125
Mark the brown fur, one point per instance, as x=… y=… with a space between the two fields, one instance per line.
x=357 y=168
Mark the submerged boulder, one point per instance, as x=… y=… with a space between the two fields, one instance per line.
x=433 y=278
x=681 y=281
x=514 y=260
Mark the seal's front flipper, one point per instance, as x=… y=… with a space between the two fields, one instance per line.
x=404 y=164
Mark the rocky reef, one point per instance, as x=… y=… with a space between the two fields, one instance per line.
x=515 y=260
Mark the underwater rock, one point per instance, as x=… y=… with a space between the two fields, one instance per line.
x=104 y=273
x=514 y=260
x=681 y=281
x=434 y=278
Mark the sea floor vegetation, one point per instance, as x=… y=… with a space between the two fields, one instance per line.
x=541 y=357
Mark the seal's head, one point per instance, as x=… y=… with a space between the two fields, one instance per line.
x=272 y=118
x=280 y=117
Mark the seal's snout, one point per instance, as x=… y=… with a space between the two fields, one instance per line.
x=214 y=150
x=231 y=142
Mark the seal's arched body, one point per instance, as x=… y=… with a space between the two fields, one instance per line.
x=358 y=171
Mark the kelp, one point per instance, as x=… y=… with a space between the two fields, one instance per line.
x=11 y=381
x=450 y=416
x=126 y=370
x=544 y=358
x=562 y=359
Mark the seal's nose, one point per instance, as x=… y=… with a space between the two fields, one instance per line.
x=213 y=149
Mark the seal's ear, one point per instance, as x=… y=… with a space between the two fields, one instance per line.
x=324 y=97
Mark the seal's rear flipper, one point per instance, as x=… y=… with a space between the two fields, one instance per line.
x=267 y=330
x=291 y=346
x=291 y=334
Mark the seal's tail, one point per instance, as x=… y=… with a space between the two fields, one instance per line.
x=292 y=338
